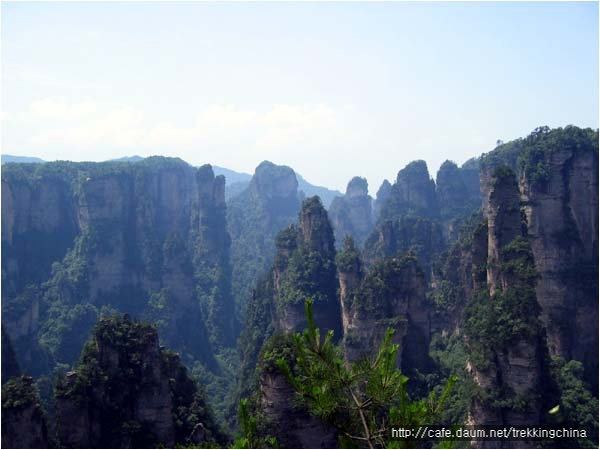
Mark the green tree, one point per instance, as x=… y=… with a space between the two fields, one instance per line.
x=362 y=400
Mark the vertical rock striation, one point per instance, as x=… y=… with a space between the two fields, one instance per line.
x=149 y=239
x=504 y=336
x=128 y=392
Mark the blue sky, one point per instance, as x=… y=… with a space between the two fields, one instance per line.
x=331 y=89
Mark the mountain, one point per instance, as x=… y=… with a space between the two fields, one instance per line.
x=20 y=159
x=231 y=176
x=82 y=240
x=268 y=204
x=326 y=195
x=237 y=182
x=134 y=158
x=351 y=214
x=486 y=275
x=128 y=392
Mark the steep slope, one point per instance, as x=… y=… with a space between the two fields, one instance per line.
x=148 y=238
x=458 y=195
x=416 y=213
x=409 y=219
x=269 y=204
x=519 y=290
x=129 y=392
x=391 y=294
x=351 y=215
x=558 y=185
x=504 y=336
x=304 y=267
x=23 y=419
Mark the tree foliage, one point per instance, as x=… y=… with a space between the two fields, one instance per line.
x=363 y=400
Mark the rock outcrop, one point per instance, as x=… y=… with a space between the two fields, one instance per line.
x=270 y=203
x=305 y=269
x=502 y=330
x=129 y=392
x=390 y=295
x=23 y=419
x=413 y=194
x=285 y=420
x=351 y=215
x=409 y=219
x=148 y=238
x=561 y=206
x=381 y=198
x=458 y=195
x=558 y=190
x=39 y=223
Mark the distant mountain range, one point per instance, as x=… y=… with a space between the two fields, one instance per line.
x=235 y=182
x=20 y=159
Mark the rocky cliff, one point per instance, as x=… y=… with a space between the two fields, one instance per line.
x=408 y=218
x=351 y=215
x=458 y=195
x=284 y=419
x=558 y=189
x=391 y=294
x=381 y=198
x=502 y=330
x=305 y=268
x=39 y=222
x=146 y=238
x=23 y=419
x=416 y=213
x=129 y=392
x=270 y=203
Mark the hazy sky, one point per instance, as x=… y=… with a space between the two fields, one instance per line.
x=331 y=89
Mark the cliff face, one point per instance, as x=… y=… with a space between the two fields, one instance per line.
x=458 y=195
x=558 y=189
x=292 y=426
x=382 y=196
x=461 y=272
x=39 y=224
x=305 y=268
x=416 y=213
x=351 y=215
x=562 y=222
x=23 y=419
x=10 y=365
x=127 y=392
x=502 y=331
x=147 y=238
x=254 y=217
x=390 y=295
x=408 y=219
x=413 y=193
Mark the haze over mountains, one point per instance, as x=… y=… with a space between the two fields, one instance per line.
x=235 y=182
x=487 y=273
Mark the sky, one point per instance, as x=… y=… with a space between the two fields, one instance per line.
x=332 y=90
